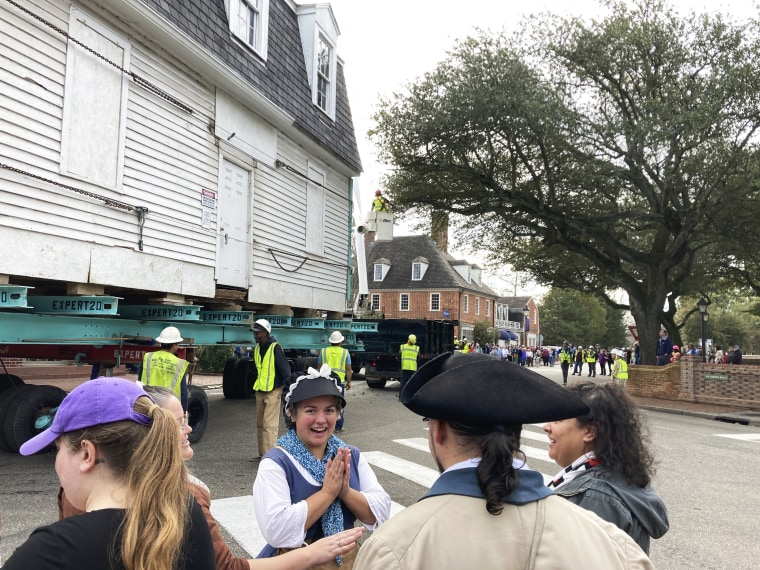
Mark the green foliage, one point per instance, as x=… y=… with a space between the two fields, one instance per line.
x=731 y=321
x=616 y=153
x=212 y=357
x=484 y=333
x=572 y=316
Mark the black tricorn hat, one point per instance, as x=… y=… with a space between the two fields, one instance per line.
x=477 y=389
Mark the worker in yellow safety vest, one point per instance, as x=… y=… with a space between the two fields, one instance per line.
x=339 y=360
x=619 y=372
x=565 y=359
x=272 y=369
x=380 y=204
x=409 y=354
x=590 y=356
x=164 y=368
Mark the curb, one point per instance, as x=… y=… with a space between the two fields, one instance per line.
x=726 y=417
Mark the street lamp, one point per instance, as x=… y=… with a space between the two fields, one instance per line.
x=526 y=312
x=704 y=315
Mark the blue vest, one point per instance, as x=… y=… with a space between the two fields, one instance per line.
x=301 y=489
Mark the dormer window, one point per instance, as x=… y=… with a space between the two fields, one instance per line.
x=325 y=76
x=249 y=23
x=419 y=267
x=382 y=266
x=319 y=38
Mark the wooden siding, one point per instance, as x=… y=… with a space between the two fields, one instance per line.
x=279 y=221
x=169 y=157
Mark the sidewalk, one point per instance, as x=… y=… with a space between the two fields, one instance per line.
x=68 y=377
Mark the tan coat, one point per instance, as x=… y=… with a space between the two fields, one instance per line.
x=454 y=531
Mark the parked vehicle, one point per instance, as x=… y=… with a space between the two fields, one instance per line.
x=378 y=358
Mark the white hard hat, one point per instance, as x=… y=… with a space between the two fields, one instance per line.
x=262 y=325
x=170 y=335
x=336 y=338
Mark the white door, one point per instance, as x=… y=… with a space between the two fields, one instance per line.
x=234 y=239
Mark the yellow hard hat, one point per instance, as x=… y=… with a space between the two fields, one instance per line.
x=412 y=338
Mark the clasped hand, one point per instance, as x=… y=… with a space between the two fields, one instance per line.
x=337 y=474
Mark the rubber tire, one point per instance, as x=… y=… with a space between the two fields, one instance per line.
x=9 y=380
x=19 y=423
x=235 y=378
x=304 y=362
x=197 y=408
x=8 y=405
x=376 y=383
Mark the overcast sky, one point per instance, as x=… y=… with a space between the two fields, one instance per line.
x=386 y=45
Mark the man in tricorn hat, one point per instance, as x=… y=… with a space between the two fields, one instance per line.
x=487 y=510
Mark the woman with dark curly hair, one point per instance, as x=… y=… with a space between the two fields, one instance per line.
x=606 y=464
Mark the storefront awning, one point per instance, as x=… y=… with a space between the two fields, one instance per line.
x=505 y=334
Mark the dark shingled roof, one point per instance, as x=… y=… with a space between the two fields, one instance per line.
x=402 y=251
x=282 y=78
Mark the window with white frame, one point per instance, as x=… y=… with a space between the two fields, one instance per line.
x=466 y=308
x=248 y=23
x=325 y=88
x=375 y=303
x=477 y=305
x=435 y=302
x=378 y=271
x=488 y=308
x=416 y=271
x=404 y=302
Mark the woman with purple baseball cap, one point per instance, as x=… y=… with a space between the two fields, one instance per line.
x=118 y=460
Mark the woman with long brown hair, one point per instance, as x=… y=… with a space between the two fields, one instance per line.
x=117 y=460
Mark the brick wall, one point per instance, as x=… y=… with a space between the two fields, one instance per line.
x=694 y=381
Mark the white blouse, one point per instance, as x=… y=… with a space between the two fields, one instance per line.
x=282 y=522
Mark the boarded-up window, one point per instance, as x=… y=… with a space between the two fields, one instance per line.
x=94 y=106
x=315 y=212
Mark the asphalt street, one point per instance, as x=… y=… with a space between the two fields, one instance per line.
x=706 y=475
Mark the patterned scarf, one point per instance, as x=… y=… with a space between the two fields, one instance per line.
x=332 y=520
x=583 y=463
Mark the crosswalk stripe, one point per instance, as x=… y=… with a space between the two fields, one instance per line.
x=753 y=437
x=528 y=434
x=236 y=514
x=418 y=443
x=407 y=469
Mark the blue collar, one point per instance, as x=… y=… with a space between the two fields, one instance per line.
x=465 y=482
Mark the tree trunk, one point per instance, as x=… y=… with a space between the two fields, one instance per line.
x=648 y=324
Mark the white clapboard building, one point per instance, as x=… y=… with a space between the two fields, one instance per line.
x=185 y=150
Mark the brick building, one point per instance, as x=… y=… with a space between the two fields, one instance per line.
x=411 y=277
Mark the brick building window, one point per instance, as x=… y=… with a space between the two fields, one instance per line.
x=404 y=304
x=466 y=308
x=477 y=305
x=435 y=302
x=375 y=305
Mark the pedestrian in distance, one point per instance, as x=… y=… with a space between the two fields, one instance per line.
x=165 y=368
x=619 y=372
x=487 y=509
x=118 y=460
x=565 y=358
x=578 y=360
x=737 y=355
x=664 y=349
x=409 y=356
x=606 y=465
x=590 y=356
x=313 y=484
x=339 y=361
x=271 y=369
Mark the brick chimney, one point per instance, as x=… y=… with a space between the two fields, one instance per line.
x=439 y=230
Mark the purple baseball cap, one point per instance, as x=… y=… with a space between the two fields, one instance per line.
x=96 y=402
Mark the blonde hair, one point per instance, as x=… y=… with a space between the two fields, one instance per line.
x=148 y=461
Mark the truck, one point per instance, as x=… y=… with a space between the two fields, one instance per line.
x=165 y=167
x=378 y=358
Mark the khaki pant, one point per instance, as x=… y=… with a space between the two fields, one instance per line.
x=268 y=408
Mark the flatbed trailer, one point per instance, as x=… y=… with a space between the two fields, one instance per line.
x=97 y=331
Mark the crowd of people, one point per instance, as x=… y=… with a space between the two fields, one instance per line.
x=127 y=500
